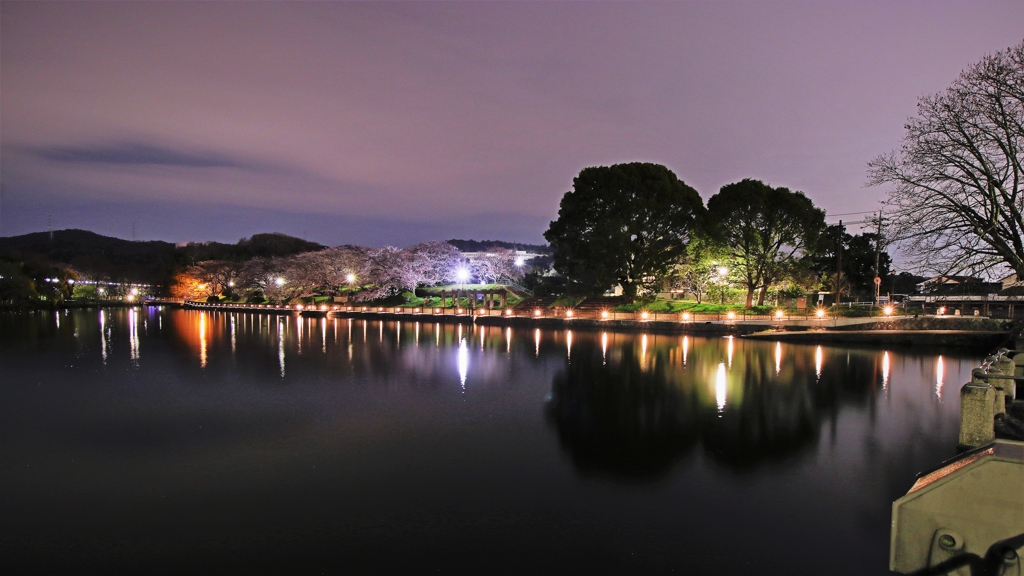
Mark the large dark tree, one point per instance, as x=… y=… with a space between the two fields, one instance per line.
x=956 y=185
x=764 y=229
x=625 y=224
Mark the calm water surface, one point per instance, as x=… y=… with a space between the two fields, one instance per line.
x=149 y=440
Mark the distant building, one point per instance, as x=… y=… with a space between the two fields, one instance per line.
x=957 y=285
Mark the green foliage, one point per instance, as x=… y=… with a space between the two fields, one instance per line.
x=764 y=229
x=624 y=224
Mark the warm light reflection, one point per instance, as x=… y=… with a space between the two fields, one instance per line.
x=536 y=338
x=568 y=345
x=463 y=360
x=686 y=348
x=508 y=340
x=940 y=374
x=819 y=357
x=643 y=350
x=604 y=348
x=720 y=388
x=778 y=357
x=885 y=370
x=323 y=336
x=730 y=348
x=416 y=334
x=202 y=339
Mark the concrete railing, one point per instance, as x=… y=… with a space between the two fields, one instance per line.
x=993 y=385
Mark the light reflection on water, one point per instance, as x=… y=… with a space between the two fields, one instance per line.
x=682 y=438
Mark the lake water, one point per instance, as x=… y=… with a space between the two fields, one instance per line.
x=170 y=441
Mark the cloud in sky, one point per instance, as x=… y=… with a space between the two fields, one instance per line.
x=134 y=153
x=422 y=116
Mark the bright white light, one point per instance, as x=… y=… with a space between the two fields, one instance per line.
x=604 y=314
x=731 y=315
x=720 y=388
x=231 y=284
x=279 y=281
x=350 y=278
x=520 y=261
x=887 y=310
x=70 y=280
x=778 y=314
x=820 y=313
x=135 y=291
x=645 y=315
x=723 y=271
x=462 y=274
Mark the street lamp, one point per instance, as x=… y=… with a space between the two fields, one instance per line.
x=350 y=278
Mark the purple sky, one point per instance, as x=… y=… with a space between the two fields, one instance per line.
x=396 y=123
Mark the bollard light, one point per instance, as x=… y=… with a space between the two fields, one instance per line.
x=508 y=312
x=779 y=314
x=686 y=316
x=298 y=306
x=820 y=313
x=645 y=315
x=568 y=313
x=731 y=315
x=604 y=314
x=887 y=310
x=536 y=312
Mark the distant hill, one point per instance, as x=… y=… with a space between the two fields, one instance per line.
x=268 y=245
x=482 y=245
x=151 y=262
x=93 y=255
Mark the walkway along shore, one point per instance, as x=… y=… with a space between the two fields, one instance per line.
x=970 y=333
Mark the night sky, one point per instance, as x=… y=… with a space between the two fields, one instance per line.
x=392 y=123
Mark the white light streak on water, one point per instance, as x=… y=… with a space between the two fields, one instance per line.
x=604 y=348
x=730 y=347
x=133 y=334
x=323 y=335
x=536 y=338
x=686 y=348
x=508 y=340
x=280 y=345
x=940 y=374
x=463 y=360
x=568 y=345
x=103 y=336
x=778 y=357
x=720 y=388
x=819 y=359
x=232 y=334
x=885 y=370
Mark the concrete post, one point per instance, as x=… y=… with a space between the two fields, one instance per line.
x=1007 y=367
x=976 y=414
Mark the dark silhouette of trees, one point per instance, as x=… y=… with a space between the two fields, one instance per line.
x=955 y=195
x=624 y=224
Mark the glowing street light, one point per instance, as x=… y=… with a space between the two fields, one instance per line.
x=779 y=314
x=604 y=314
x=350 y=278
x=820 y=313
x=520 y=261
x=887 y=310
x=279 y=281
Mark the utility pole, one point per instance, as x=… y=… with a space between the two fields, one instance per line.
x=133 y=231
x=878 y=256
x=839 y=263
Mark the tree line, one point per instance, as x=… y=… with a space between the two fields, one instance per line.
x=639 y=227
